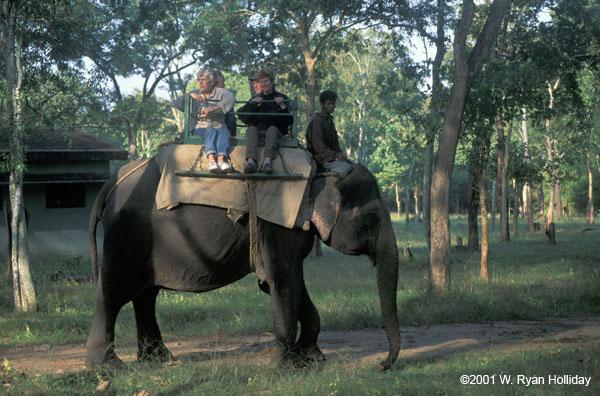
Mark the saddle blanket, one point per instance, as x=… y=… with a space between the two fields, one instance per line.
x=278 y=201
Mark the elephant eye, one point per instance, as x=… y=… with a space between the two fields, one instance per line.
x=371 y=217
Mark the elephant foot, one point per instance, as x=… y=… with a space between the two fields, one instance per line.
x=109 y=360
x=289 y=358
x=313 y=354
x=155 y=352
x=387 y=364
x=102 y=355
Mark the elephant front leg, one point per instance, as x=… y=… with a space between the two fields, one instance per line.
x=150 y=343
x=284 y=308
x=283 y=281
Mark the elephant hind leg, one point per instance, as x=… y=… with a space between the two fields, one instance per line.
x=150 y=343
x=309 y=332
x=100 y=347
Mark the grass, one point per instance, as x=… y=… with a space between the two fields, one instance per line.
x=429 y=377
x=529 y=280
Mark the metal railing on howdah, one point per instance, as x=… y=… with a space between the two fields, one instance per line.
x=289 y=140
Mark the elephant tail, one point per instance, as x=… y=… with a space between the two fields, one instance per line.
x=100 y=204
x=95 y=217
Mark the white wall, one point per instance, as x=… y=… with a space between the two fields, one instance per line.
x=54 y=231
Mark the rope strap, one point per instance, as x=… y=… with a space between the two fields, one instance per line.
x=198 y=159
x=255 y=260
x=126 y=175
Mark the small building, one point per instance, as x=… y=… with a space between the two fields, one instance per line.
x=64 y=173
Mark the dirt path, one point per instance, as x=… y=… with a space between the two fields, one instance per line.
x=364 y=345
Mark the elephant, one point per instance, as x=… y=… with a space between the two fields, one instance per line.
x=199 y=248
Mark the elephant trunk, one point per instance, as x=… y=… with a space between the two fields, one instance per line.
x=386 y=263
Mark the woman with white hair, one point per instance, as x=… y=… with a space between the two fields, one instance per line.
x=212 y=103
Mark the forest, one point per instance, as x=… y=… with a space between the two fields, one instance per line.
x=489 y=108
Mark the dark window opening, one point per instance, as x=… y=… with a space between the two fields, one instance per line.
x=65 y=196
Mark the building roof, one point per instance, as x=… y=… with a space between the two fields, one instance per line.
x=61 y=145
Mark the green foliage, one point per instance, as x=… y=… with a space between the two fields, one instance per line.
x=579 y=190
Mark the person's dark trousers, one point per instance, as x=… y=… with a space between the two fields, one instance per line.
x=271 y=136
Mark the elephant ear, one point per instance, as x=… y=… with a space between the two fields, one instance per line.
x=326 y=203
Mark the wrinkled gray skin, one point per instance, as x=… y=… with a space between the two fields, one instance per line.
x=198 y=248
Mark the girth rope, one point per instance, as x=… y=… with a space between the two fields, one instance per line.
x=255 y=260
x=198 y=159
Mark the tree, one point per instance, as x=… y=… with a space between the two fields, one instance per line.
x=467 y=65
x=315 y=23
x=149 y=39
x=415 y=17
x=11 y=41
x=478 y=121
x=560 y=48
x=591 y=122
x=527 y=194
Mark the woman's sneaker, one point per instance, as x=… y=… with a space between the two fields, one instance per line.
x=225 y=167
x=213 y=167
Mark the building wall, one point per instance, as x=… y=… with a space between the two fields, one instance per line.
x=54 y=231
x=98 y=168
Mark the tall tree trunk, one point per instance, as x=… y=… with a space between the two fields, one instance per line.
x=362 y=111
x=499 y=167
x=549 y=142
x=516 y=212
x=541 y=203
x=527 y=196
x=303 y=24
x=24 y=292
x=398 y=200
x=550 y=213
x=427 y=188
x=310 y=60
x=589 y=213
x=478 y=160
x=504 y=215
x=467 y=66
x=559 y=204
x=407 y=192
x=485 y=250
x=132 y=147
x=7 y=220
x=416 y=194
x=549 y=150
x=503 y=149
x=434 y=114
x=494 y=203
x=311 y=88
x=473 y=205
x=406 y=206
x=528 y=206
